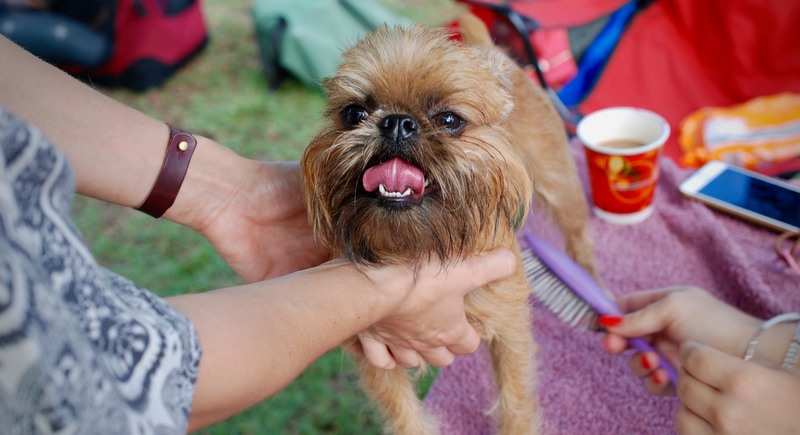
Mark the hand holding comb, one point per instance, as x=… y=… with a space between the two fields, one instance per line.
x=572 y=294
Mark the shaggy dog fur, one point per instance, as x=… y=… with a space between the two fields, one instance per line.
x=435 y=148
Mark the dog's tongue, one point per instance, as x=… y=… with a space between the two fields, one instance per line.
x=395 y=175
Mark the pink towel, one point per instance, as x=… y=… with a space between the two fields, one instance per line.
x=584 y=390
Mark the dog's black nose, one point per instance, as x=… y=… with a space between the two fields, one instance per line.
x=398 y=127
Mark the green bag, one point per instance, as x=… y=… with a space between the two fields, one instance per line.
x=306 y=38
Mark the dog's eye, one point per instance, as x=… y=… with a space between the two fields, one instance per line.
x=449 y=122
x=353 y=114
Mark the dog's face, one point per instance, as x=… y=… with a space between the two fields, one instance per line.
x=414 y=160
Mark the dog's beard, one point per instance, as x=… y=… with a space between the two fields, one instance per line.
x=463 y=202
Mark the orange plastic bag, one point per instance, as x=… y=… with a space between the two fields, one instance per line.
x=756 y=134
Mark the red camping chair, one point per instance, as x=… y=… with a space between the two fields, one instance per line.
x=565 y=52
x=676 y=56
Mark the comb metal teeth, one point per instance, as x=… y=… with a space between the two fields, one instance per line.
x=555 y=295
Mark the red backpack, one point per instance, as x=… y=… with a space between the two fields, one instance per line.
x=136 y=44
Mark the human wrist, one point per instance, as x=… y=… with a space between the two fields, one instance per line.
x=393 y=283
x=213 y=176
x=773 y=340
x=776 y=342
x=739 y=334
x=372 y=292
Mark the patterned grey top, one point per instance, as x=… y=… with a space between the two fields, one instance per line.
x=82 y=350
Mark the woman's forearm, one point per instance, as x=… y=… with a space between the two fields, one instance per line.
x=257 y=338
x=116 y=151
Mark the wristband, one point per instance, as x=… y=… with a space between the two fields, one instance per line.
x=180 y=148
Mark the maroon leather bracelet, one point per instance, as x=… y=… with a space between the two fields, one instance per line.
x=179 y=152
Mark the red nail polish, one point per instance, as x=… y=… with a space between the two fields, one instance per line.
x=645 y=363
x=656 y=379
x=608 y=321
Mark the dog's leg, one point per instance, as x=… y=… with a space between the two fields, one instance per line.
x=513 y=357
x=395 y=393
x=565 y=203
x=541 y=142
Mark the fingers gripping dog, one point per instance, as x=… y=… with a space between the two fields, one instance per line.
x=433 y=148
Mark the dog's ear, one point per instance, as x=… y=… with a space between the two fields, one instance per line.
x=500 y=65
x=476 y=36
x=498 y=69
x=473 y=31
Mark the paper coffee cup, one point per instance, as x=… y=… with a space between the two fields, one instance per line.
x=623 y=147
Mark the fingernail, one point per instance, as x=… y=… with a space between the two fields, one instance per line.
x=608 y=321
x=645 y=363
x=656 y=379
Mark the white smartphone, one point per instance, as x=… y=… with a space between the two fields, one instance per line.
x=765 y=200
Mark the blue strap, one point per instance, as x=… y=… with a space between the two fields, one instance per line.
x=596 y=56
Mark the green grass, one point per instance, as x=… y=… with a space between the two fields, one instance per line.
x=222 y=94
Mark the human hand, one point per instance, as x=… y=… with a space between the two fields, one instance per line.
x=431 y=324
x=723 y=394
x=259 y=226
x=668 y=317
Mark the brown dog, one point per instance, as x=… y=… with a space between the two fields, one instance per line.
x=435 y=149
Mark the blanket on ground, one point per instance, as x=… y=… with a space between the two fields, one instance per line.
x=584 y=390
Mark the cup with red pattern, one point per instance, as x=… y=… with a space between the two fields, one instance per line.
x=623 y=147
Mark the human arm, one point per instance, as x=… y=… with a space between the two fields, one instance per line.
x=256 y=338
x=251 y=212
